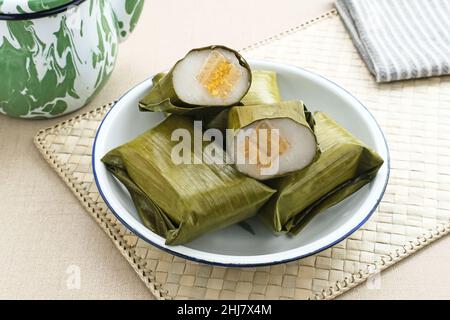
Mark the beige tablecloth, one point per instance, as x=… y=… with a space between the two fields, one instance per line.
x=46 y=237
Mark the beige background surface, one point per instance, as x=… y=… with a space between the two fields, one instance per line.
x=43 y=229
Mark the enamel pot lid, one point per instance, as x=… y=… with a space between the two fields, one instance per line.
x=30 y=9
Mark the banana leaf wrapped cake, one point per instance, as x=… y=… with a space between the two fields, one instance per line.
x=271 y=140
x=206 y=80
x=181 y=201
x=344 y=166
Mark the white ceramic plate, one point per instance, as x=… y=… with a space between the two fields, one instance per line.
x=234 y=246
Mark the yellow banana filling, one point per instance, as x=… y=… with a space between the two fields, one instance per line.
x=260 y=144
x=218 y=75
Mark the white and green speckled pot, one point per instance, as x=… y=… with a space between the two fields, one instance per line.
x=55 y=55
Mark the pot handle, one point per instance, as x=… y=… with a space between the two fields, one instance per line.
x=126 y=15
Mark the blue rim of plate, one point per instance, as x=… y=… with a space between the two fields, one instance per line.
x=263 y=264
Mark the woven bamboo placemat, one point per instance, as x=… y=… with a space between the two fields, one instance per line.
x=415 y=211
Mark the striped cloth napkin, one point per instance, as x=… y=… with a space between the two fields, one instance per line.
x=400 y=39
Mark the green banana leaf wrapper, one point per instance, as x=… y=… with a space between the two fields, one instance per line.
x=263 y=90
x=163 y=98
x=181 y=202
x=344 y=166
x=241 y=116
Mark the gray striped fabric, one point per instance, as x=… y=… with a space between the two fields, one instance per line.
x=400 y=39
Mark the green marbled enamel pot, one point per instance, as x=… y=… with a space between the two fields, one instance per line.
x=55 y=55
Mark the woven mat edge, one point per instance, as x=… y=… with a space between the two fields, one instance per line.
x=139 y=266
